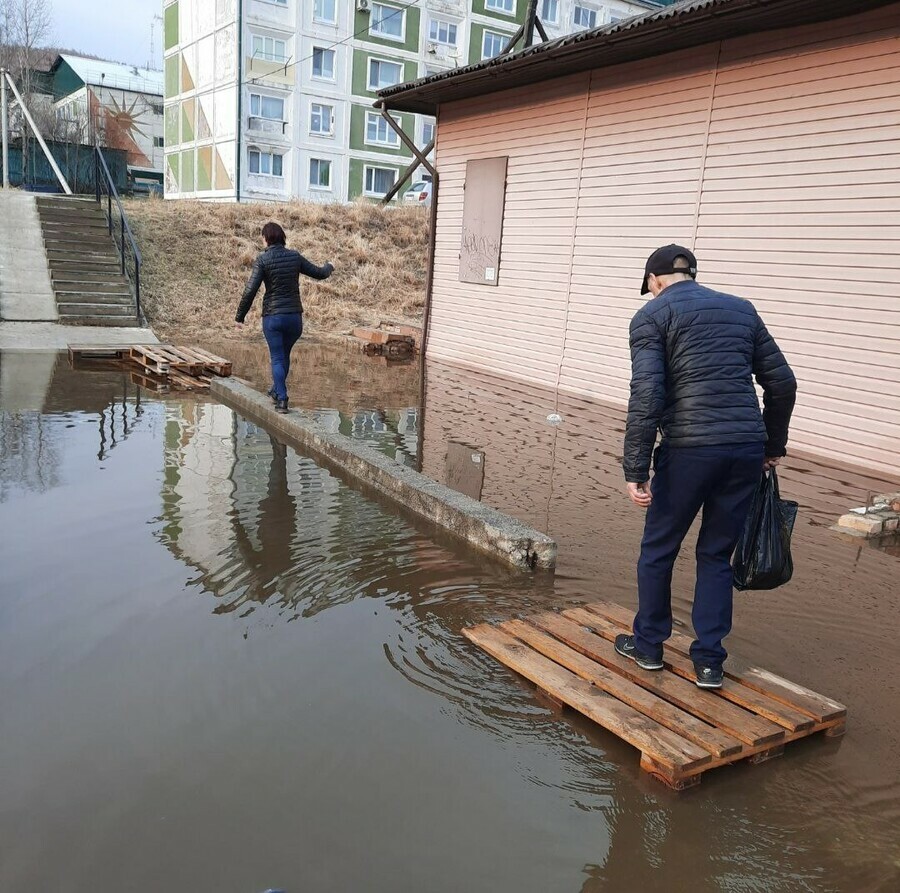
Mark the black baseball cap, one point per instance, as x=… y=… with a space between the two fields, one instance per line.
x=662 y=261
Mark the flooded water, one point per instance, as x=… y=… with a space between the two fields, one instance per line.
x=222 y=669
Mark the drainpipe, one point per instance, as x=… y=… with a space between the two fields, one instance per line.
x=238 y=147
x=4 y=127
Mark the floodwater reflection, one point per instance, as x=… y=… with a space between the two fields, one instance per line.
x=224 y=669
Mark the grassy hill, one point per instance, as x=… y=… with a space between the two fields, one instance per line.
x=198 y=256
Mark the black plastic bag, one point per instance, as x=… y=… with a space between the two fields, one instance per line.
x=762 y=559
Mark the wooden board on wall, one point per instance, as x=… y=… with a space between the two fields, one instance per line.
x=484 y=198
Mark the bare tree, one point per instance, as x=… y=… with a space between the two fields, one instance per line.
x=26 y=27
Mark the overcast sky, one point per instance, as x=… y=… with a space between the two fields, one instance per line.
x=115 y=29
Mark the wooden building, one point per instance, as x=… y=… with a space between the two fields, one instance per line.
x=766 y=136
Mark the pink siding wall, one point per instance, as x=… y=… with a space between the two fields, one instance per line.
x=776 y=156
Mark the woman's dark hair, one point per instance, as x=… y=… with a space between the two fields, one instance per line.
x=274 y=234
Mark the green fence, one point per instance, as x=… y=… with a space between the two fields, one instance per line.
x=76 y=163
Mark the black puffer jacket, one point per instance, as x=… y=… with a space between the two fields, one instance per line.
x=694 y=352
x=280 y=270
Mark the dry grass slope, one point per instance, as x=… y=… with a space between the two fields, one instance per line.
x=198 y=255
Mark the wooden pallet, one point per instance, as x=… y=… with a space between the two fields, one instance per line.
x=156 y=367
x=681 y=730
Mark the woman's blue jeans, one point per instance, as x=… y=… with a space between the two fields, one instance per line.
x=282 y=330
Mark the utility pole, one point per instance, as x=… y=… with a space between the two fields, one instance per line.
x=4 y=127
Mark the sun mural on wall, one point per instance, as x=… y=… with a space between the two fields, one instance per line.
x=122 y=124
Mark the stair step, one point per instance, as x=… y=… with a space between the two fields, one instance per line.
x=78 y=223
x=93 y=308
x=95 y=297
x=62 y=269
x=86 y=319
x=88 y=252
x=93 y=282
x=78 y=239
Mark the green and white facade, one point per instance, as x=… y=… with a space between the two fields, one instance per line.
x=270 y=100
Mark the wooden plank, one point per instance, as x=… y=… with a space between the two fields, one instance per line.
x=149 y=359
x=674 y=753
x=802 y=699
x=749 y=698
x=149 y=383
x=215 y=364
x=752 y=730
x=718 y=743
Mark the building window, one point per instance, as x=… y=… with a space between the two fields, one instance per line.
x=269 y=49
x=325 y=11
x=319 y=173
x=267 y=164
x=268 y=107
x=584 y=18
x=501 y=5
x=493 y=44
x=156 y=108
x=379 y=181
x=158 y=142
x=387 y=21
x=441 y=31
x=427 y=132
x=379 y=132
x=384 y=74
x=321 y=119
x=323 y=63
x=550 y=11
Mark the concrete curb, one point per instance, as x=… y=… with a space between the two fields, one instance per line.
x=478 y=525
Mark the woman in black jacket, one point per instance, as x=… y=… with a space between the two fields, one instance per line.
x=280 y=270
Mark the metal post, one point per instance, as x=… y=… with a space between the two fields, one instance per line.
x=4 y=126
x=122 y=236
x=38 y=137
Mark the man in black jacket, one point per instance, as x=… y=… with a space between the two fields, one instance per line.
x=280 y=270
x=694 y=353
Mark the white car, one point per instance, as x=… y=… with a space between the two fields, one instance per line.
x=419 y=194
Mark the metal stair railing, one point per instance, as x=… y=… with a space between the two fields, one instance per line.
x=129 y=252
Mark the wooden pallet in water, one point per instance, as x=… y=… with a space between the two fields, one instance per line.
x=156 y=367
x=681 y=730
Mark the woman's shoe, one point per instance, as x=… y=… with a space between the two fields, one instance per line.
x=281 y=406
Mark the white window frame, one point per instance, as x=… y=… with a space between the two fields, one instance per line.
x=376 y=167
x=376 y=87
x=260 y=115
x=495 y=6
x=323 y=133
x=437 y=21
x=332 y=20
x=273 y=154
x=312 y=62
x=381 y=34
x=393 y=139
x=433 y=127
x=316 y=186
x=586 y=8
x=544 y=17
x=273 y=56
x=501 y=35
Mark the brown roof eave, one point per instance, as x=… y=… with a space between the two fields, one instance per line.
x=680 y=27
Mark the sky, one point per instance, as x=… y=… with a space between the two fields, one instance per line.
x=123 y=36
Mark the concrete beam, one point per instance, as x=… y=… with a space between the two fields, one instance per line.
x=467 y=519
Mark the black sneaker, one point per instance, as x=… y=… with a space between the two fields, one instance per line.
x=708 y=677
x=271 y=393
x=625 y=646
x=281 y=406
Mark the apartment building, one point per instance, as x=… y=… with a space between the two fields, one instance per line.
x=269 y=100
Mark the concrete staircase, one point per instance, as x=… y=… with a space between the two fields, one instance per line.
x=85 y=268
